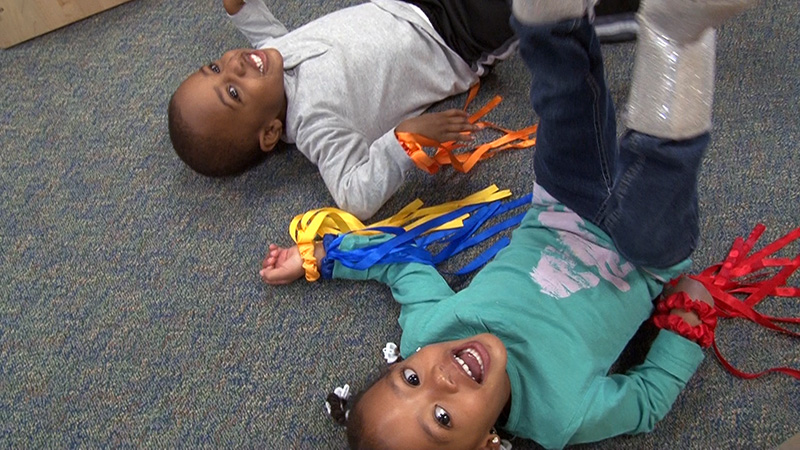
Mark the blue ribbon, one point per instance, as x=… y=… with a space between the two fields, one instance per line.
x=411 y=246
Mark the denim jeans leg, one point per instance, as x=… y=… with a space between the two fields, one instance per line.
x=652 y=214
x=642 y=191
x=576 y=143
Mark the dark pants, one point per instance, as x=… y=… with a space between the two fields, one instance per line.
x=642 y=191
x=478 y=30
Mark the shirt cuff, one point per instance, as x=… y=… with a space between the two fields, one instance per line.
x=396 y=151
x=676 y=354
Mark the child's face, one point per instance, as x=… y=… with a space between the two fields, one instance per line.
x=429 y=400
x=237 y=96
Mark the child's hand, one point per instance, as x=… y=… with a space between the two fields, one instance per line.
x=450 y=125
x=232 y=6
x=696 y=291
x=282 y=265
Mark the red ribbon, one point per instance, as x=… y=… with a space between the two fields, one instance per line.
x=755 y=277
x=702 y=333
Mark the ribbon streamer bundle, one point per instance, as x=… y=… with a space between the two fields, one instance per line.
x=465 y=161
x=754 y=276
x=454 y=226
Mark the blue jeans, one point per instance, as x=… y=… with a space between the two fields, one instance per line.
x=642 y=190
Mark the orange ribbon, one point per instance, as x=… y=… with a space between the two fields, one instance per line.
x=464 y=162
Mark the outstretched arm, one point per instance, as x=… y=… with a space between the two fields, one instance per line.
x=362 y=175
x=633 y=402
x=255 y=21
x=411 y=283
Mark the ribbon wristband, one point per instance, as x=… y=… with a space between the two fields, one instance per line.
x=309 y=261
x=702 y=334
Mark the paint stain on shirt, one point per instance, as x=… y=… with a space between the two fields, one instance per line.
x=576 y=261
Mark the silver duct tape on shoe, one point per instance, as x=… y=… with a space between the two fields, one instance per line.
x=673 y=85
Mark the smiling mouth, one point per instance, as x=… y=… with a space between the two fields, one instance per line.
x=257 y=60
x=471 y=363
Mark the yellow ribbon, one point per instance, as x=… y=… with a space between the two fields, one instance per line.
x=307 y=228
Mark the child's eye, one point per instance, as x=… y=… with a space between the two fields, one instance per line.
x=233 y=92
x=411 y=377
x=441 y=416
x=214 y=68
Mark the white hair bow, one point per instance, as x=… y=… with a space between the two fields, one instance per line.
x=390 y=353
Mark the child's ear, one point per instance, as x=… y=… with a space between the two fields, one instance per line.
x=491 y=442
x=269 y=136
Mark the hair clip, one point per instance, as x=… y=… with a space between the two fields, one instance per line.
x=391 y=353
x=342 y=393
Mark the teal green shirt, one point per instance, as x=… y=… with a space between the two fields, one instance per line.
x=565 y=304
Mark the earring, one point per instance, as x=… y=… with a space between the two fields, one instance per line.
x=496 y=438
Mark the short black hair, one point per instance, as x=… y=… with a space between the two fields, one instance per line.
x=209 y=155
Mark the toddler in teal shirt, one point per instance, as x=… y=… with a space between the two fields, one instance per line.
x=528 y=345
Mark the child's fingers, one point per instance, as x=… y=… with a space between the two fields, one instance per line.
x=269 y=275
x=269 y=256
x=460 y=127
x=275 y=276
x=455 y=113
x=456 y=116
x=464 y=137
x=461 y=131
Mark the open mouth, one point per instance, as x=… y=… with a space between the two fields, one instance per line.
x=473 y=360
x=258 y=61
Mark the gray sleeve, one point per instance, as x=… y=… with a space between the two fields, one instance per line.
x=257 y=23
x=360 y=175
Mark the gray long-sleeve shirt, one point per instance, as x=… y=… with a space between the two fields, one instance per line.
x=351 y=77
